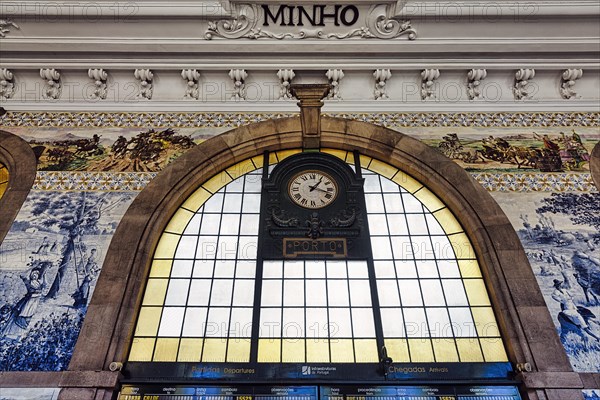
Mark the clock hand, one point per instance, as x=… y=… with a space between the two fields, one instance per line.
x=317 y=184
x=321 y=190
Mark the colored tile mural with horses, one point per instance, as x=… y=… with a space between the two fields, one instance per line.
x=561 y=236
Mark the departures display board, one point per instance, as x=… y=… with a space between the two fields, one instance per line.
x=246 y=392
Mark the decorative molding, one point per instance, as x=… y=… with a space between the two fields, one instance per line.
x=53 y=88
x=92 y=180
x=7 y=86
x=285 y=77
x=145 y=77
x=5 y=26
x=238 y=76
x=99 y=76
x=334 y=76
x=522 y=78
x=192 y=76
x=381 y=77
x=383 y=24
x=474 y=77
x=428 y=76
x=569 y=76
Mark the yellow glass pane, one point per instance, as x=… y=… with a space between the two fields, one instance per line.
x=341 y=154
x=148 y=321
x=341 y=350
x=493 y=350
x=469 y=268
x=409 y=183
x=3 y=174
x=317 y=350
x=238 y=350
x=447 y=221
x=364 y=161
x=161 y=268
x=273 y=158
x=462 y=246
x=197 y=199
x=468 y=350
x=429 y=200
x=190 y=350
x=283 y=154
x=365 y=350
x=269 y=350
x=215 y=183
x=350 y=158
x=166 y=349
x=241 y=168
x=141 y=349
x=420 y=350
x=258 y=161
x=476 y=292
x=155 y=292
x=485 y=322
x=293 y=350
x=397 y=349
x=166 y=245
x=214 y=350
x=3 y=187
x=445 y=350
x=179 y=221
x=382 y=168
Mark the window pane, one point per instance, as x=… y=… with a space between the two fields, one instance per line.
x=362 y=323
x=221 y=292
x=195 y=322
x=357 y=269
x=293 y=292
x=218 y=322
x=199 y=292
x=243 y=293
x=271 y=293
x=388 y=293
x=339 y=323
x=177 y=293
x=315 y=269
x=316 y=323
x=393 y=323
x=360 y=293
x=316 y=292
x=171 y=321
x=337 y=293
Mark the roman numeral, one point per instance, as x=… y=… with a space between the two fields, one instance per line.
x=328 y=196
x=297 y=196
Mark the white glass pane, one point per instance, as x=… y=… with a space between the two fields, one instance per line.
x=360 y=293
x=442 y=247
x=203 y=268
x=422 y=248
x=432 y=292
x=253 y=184
x=249 y=224
x=195 y=321
x=315 y=269
x=397 y=224
x=439 y=323
x=371 y=183
x=251 y=203
x=415 y=322
x=358 y=269
x=271 y=293
x=403 y=248
x=427 y=269
x=193 y=226
x=241 y=323
x=374 y=203
x=377 y=224
x=388 y=186
x=316 y=323
x=199 y=292
x=410 y=292
x=293 y=323
x=210 y=224
x=381 y=248
x=272 y=269
x=417 y=224
x=270 y=323
x=434 y=225
x=224 y=268
x=336 y=269
x=171 y=321
x=237 y=186
x=243 y=292
x=227 y=247
x=448 y=269
x=362 y=323
x=233 y=202
x=248 y=246
x=316 y=293
x=337 y=293
x=455 y=292
x=214 y=204
x=245 y=269
x=405 y=269
x=182 y=268
x=384 y=269
x=339 y=323
x=293 y=292
x=462 y=322
x=293 y=269
x=393 y=203
x=218 y=322
x=411 y=203
x=186 y=247
x=393 y=324
x=177 y=292
x=221 y=292
x=388 y=293
x=230 y=224
x=207 y=247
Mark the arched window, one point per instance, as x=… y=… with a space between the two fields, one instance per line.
x=421 y=293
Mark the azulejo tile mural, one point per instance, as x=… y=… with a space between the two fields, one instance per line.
x=593 y=394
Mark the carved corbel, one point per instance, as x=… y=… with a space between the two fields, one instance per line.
x=522 y=78
x=310 y=102
x=7 y=86
x=474 y=77
x=192 y=76
x=382 y=23
x=99 y=76
x=428 y=76
x=569 y=76
x=53 y=88
x=285 y=76
x=238 y=76
x=145 y=77
x=5 y=26
x=381 y=77
x=334 y=76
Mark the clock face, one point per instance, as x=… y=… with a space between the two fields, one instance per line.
x=312 y=189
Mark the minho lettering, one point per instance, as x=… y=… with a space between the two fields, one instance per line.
x=296 y=15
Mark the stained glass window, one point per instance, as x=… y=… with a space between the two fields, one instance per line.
x=204 y=300
x=3 y=179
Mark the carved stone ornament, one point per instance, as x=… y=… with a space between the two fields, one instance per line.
x=238 y=76
x=5 y=26
x=145 y=77
x=53 y=88
x=428 y=76
x=569 y=76
x=192 y=77
x=99 y=76
x=474 y=77
x=381 y=22
x=381 y=77
x=7 y=86
x=334 y=76
x=285 y=76
x=522 y=78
